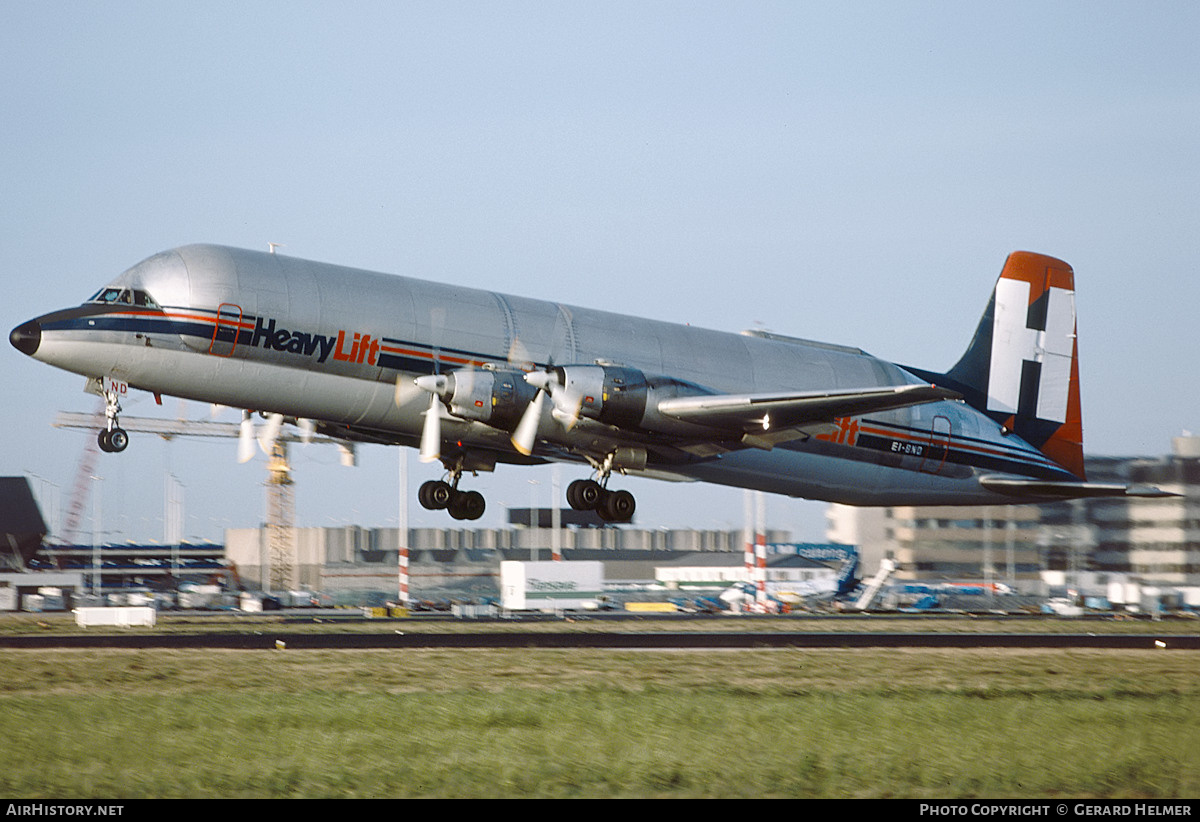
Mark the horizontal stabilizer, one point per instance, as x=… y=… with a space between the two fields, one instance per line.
x=749 y=413
x=1048 y=489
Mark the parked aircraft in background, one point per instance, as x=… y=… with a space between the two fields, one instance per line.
x=474 y=379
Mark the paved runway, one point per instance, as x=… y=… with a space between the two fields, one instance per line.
x=611 y=639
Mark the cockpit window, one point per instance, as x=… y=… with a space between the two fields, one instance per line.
x=144 y=299
x=105 y=295
x=126 y=296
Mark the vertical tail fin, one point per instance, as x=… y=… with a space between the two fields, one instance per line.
x=1022 y=366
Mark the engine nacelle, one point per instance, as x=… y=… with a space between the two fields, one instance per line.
x=611 y=394
x=614 y=395
x=620 y=396
x=494 y=397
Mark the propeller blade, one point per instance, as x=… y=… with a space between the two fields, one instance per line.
x=567 y=406
x=308 y=428
x=266 y=440
x=246 y=438
x=437 y=321
x=523 y=437
x=405 y=391
x=431 y=432
x=518 y=355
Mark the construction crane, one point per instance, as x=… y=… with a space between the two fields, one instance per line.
x=273 y=439
x=79 y=493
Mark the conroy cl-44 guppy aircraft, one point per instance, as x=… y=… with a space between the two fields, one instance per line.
x=474 y=379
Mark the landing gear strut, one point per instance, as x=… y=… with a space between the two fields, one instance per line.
x=112 y=438
x=438 y=494
x=593 y=495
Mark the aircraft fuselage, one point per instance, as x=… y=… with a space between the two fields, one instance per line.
x=343 y=346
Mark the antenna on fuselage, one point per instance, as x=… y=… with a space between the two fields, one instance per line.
x=274 y=246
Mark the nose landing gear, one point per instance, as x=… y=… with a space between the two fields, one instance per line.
x=112 y=438
x=113 y=441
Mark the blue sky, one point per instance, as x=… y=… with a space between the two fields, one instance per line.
x=851 y=172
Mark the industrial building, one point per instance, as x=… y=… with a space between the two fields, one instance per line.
x=945 y=542
x=1153 y=538
x=463 y=562
x=1147 y=540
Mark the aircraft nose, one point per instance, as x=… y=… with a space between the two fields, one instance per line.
x=26 y=337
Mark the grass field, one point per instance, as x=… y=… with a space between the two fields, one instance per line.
x=585 y=723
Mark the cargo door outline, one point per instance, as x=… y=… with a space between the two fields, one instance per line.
x=226 y=330
x=938 y=449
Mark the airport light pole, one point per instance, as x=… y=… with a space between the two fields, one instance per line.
x=402 y=530
x=534 y=521
x=97 y=534
x=173 y=521
x=760 y=550
x=987 y=551
x=1010 y=548
x=748 y=533
x=556 y=514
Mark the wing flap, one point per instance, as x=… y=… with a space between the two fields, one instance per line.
x=757 y=413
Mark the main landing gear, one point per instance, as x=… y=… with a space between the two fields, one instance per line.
x=582 y=495
x=593 y=494
x=438 y=494
x=611 y=506
x=112 y=438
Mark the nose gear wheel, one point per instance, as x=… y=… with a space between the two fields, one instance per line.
x=112 y=439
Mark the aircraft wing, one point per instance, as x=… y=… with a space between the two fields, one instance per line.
x=1043 y=489
x=763 y=413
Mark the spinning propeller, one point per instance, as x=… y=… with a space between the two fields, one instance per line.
x=565 y=406
x=445 y=391
x=431 y=430
x=266 y=438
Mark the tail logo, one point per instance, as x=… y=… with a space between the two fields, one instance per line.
x=1033 y=344
x=1022 y=366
